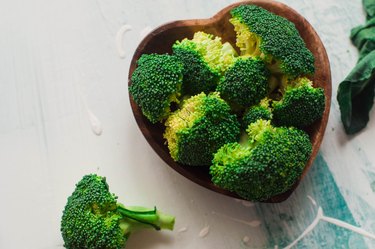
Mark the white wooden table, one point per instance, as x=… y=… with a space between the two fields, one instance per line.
x=64 y=112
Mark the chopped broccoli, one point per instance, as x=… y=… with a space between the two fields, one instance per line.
x=256 y=112
x=273 y=38
x=205 y=59
x=300 y=105
x=155 y=84
x=269 y=163
x=93 y=219
x=245 y=82
x=199 y=128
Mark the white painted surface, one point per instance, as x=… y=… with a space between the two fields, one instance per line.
x=53 y=52
x=321 y=217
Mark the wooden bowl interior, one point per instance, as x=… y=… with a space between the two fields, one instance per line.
x=161 y=40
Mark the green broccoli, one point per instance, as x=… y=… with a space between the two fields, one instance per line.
x=301 y=104
x=273 y=38
x=205 y=59
x=199 y=128
x=155 y=84
x=245 y=82
x=93 y=219
x=269 y=163
x=256 y=112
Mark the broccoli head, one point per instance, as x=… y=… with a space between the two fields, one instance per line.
x=155 y=84
x=93 y=219
x=245 y=83
x=273 y=38
x=199 y=128
x=269 y=163
x=256 y=112
x=301 y=104
x=205 y=59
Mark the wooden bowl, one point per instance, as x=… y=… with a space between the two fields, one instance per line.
x=160 y=41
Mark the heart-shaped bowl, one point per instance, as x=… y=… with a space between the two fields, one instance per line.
x=160 y=41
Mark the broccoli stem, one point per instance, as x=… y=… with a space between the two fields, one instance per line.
x=140 y=217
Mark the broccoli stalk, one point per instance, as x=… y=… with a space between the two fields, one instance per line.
x=93 y=219
x=135 y=218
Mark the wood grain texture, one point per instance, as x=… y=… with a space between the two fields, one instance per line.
x=160 y=41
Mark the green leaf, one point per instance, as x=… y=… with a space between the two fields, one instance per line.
x=369 y=6
x=356 y=94
x=363 y=37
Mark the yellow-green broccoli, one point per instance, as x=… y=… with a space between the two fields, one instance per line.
x=205 y=59
x=199 y=128
x=272 y=38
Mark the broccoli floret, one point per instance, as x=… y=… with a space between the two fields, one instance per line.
x=245 y=83
x=273 y=38
x=199 y=128
x=301 y=104
x=93 y=219
x=269 y=163
x=205 y=59
x=155 y=84
x=256 y=112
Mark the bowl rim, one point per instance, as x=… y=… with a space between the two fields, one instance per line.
x=186 y=171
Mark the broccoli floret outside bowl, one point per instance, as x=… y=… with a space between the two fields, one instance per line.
x=93 y=219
